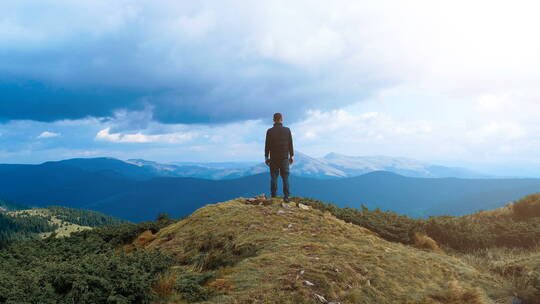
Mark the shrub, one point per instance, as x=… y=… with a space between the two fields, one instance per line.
x=191 y=286
x=527 y=207
x=144 y=238
x=388 y=225
x=165 y=285
x=423 y=241
x=465 y=234
x=86 y=267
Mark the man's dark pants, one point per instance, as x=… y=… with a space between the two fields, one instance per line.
x=279 y=167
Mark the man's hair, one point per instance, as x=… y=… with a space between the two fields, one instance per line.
x=278 y=117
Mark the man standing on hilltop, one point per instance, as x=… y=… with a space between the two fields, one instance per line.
x=279 y=153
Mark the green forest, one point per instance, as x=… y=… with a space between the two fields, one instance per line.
x=86 y=267
x=27 y=224
x=6 y=205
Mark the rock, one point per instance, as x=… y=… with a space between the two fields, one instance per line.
x=302 y=206
x=289 y=226
x=258 y=200
x=285 y=206
x=320 y=298
x=308 y=283
x=298 y=275
x=280 y=211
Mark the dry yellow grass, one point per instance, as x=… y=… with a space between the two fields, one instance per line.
x=144 y=238
x=221 y=285
x=423 y=241
x=457 y=294
x=304 y=253
x=514 y=267
x=165 y=285
x=505 y=211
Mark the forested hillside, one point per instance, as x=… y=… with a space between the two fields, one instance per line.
x=29 y=224
x=10 y=206
x=85 y=267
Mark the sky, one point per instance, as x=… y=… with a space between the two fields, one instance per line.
x=448 y=82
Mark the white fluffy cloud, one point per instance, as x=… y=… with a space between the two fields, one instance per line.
x=171 y=138
x=47 y=134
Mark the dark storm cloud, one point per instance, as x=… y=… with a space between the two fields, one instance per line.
x=188 y=63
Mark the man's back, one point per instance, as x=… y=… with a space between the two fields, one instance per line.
x=278 y=154
x=279 y=143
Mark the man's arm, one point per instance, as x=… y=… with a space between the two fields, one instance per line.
x=267 y=145
x=291 y=150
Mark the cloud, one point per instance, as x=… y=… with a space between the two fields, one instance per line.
x=215 y=62
x=47 y=134
x=356 y=127
x=355 y=77
x=208 y=62
x=171 y=138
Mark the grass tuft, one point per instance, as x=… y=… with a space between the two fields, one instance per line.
x=423 y=241
x=457 y=294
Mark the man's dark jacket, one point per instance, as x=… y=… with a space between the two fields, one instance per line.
x=279 y=142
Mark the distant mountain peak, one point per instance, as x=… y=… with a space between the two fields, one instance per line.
x=333 y=155
x=332 y=165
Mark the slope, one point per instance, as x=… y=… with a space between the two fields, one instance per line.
x=266 y=252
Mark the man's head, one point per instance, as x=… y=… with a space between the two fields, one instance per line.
x=278 y=118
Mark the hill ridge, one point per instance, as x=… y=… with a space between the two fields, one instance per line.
x=270 y=252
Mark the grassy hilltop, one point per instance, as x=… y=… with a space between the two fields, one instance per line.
x=263 y=251
x=257 y=253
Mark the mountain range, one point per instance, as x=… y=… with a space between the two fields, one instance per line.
x=137 y=193
x=332 y=165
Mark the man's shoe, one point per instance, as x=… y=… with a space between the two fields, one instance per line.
x=286 y=199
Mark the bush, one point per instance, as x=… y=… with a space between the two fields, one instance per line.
x=388 y=225
x=190 y=285
x=527 y=207
x=425 y=242
x=86 y=267
x=465 y=234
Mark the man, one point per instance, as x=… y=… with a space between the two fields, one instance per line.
x=279 y=154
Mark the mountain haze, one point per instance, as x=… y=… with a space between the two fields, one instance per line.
x=332 y=165
x=123 y=189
